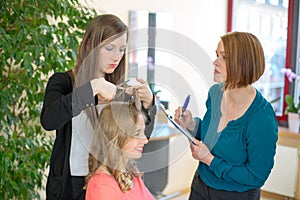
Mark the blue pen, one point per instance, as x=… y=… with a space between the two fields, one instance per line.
x=185 y=105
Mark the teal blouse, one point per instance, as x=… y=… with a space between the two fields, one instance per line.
x=244 y=150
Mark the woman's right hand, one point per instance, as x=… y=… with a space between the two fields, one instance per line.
x=185 y=119
x=103 y=89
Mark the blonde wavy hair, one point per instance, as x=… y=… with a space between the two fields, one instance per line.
x=116 y=127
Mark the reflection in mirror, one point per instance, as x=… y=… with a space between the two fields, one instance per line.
x=142 y=43
x=142 y=55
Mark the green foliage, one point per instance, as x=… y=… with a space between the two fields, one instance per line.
x=38 y=38
x=291 y=107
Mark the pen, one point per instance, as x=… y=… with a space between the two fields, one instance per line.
x=185 y=105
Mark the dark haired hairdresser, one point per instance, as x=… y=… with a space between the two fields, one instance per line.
x=74 y=98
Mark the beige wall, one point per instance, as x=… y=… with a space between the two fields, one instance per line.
x=201 y=21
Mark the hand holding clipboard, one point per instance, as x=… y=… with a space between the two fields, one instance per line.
x=181 y=129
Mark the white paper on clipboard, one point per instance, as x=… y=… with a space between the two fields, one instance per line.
x=182 y=130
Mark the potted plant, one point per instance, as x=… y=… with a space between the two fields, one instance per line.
x=291 y=106
x=292 y=110
x=32 y=47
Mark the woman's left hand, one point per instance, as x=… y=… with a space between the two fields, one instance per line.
x=145 y=93
x=201 y=152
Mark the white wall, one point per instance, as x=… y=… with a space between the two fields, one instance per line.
x=201 y=21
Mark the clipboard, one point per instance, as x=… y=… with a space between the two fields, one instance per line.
x=182 y=130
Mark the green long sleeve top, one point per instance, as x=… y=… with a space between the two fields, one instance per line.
x=244 y=150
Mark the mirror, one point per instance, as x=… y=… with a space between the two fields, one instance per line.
x=143 y=26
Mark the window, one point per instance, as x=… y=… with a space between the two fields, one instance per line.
x=297 y=59
x=273 y=22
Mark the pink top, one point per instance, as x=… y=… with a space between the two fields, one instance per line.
x=103 y=186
